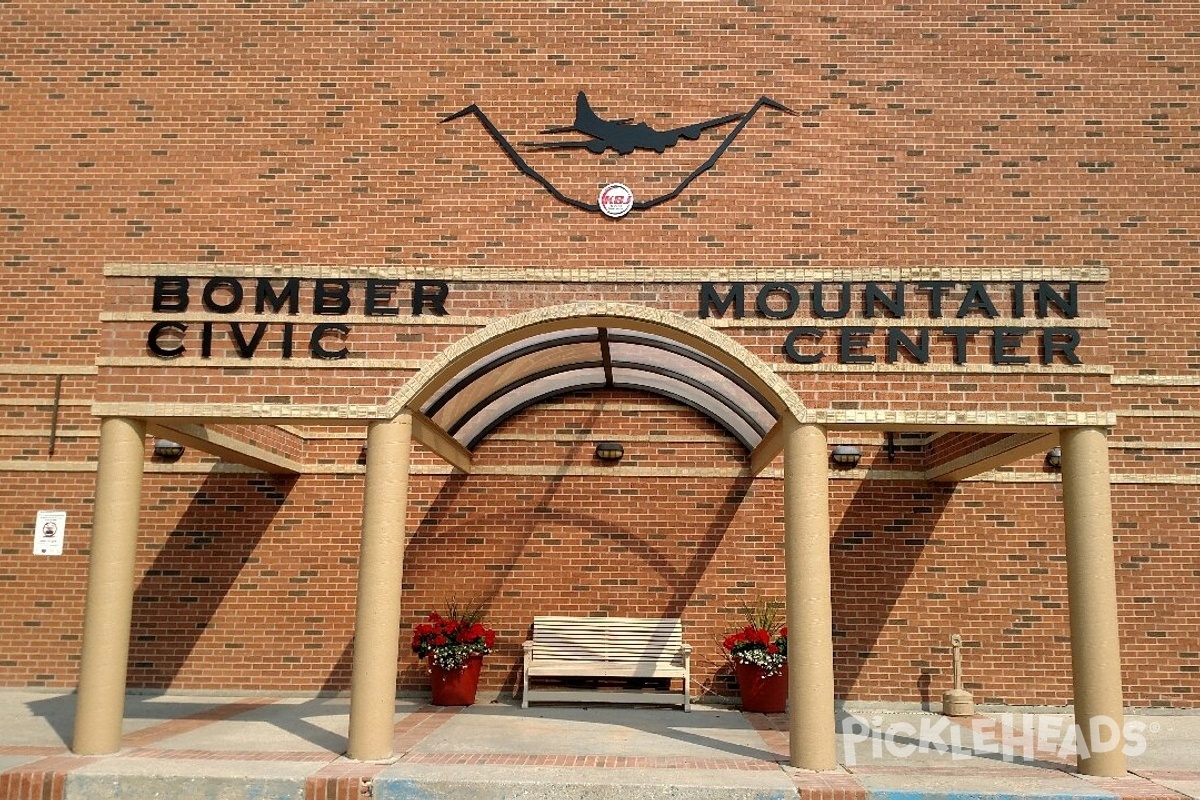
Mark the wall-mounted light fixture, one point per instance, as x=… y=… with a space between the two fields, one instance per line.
x=167 y=450
x=845 y=455
x=609 y=451
x=1054 y=458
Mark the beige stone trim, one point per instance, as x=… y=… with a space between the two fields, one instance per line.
x=47 y=466
x=1125 y=444
x=270 y=360
x=299 y=319
x=975 y=421
x=476 y=321
x=907 y=322
x=1164 y=414
x=29 y=402
x=1175 y=479
x=47 y=368
x=43 y=433
x=242 y=413
x=943 y=369
x=769 y=473
x=638 y=275
x=1156 y=380
x=264 y=361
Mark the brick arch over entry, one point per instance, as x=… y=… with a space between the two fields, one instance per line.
x=516 y=362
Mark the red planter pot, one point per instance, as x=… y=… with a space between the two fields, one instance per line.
x=455 y=687
x=765 y=694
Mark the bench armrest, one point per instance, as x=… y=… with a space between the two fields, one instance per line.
x=686 y=649
x=527 y=645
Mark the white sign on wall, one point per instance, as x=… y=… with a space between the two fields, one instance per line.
x=48 y=533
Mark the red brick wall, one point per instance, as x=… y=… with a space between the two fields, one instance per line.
x=306 y=137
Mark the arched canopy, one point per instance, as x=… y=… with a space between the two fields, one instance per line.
x=512 y=364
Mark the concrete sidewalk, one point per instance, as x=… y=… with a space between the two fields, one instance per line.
x=181 y=747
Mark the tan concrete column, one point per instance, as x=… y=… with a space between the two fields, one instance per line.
x=108 y=609
x=380 y=567
x=809 y=607
x=1092 y=598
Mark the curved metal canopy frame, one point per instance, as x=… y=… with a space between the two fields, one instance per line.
x=505 y=382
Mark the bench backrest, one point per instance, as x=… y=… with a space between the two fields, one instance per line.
x=624 y=639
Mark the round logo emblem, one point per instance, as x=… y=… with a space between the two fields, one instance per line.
x=616 y=200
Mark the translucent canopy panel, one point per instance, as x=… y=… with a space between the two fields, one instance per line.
x=494 y=388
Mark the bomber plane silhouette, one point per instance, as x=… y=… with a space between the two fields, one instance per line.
x=621 y=134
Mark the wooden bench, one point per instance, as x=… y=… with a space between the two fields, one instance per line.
x=607 y=647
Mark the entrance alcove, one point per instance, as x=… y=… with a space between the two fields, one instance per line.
x=676 y=528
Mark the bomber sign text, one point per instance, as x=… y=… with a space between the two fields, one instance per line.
x=326 y=297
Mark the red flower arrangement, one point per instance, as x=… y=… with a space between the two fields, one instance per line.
x=454 y=638
x=763 y=642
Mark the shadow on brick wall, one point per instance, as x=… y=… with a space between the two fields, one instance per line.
x=194 y=570
x=883 y=532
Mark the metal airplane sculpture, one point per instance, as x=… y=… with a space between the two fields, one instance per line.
x=622 y=136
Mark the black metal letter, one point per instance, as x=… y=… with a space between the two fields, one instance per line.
x=852 y=339
x=709 y=299
x=170 y=294
x=318 y=350
x=874 y=296
x=264 y=295
x=431 y=295
x=961 y=335
x=157 y=331
x=1066 y=347
x=331 y=297
x=1005 y=339
x=936 y=290
x=897 y=339
x=215 y=285
x=977 y=299
x=1047 y=296
x=818 y=302
x=246 y=349
x=789 y=345
x=762 y=302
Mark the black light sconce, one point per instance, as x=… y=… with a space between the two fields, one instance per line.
x=1054 y=458
x=609 y=451
x=845 y=456
x=167 y=450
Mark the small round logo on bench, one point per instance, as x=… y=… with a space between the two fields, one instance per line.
x=616 y=200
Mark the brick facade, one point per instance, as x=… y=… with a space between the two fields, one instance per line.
x=985 y=145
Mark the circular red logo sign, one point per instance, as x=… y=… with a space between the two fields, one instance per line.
x=616 y=200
